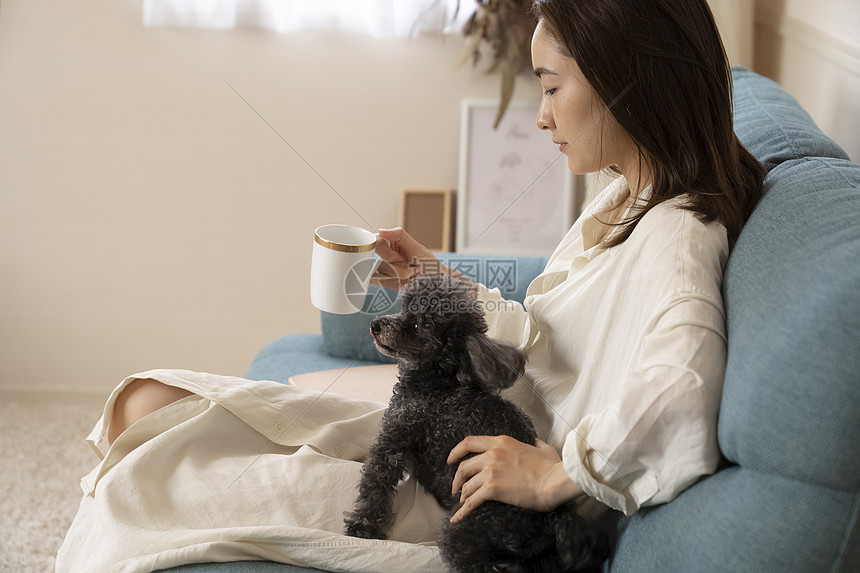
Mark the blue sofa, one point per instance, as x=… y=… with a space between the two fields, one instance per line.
x=787 y=497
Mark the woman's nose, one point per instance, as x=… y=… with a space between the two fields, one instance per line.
x=544 y=116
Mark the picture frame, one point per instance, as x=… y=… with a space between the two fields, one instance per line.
x=428 y=216
x=516 y=195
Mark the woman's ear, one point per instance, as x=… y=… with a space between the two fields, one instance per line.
x=493 y=365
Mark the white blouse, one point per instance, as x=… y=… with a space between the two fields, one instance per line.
x=626 y=352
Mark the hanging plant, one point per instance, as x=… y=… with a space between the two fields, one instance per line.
x=504 y=28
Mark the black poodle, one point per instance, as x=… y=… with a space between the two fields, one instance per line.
x=449 y=375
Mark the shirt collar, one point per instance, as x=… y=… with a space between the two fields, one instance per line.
x=601 y=208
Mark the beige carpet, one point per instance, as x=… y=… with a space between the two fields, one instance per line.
x=43 y=458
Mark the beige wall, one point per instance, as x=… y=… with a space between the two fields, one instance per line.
x=149 y=218
x=735 y=21
x=812 y=48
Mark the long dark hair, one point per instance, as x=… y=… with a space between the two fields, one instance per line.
x=678 y=108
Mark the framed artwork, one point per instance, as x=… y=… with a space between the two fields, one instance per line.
x=429 y=217
x=516 y=195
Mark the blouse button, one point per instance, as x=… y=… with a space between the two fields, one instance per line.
x=338 y=451
x=279 y=427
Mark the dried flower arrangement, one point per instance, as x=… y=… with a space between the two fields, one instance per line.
x=505 y=27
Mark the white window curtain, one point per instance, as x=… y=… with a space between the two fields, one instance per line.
x=387 y=18
x=379 y=18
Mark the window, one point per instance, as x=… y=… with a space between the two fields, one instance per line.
x=379 y=18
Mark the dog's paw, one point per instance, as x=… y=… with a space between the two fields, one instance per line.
x=364 y=528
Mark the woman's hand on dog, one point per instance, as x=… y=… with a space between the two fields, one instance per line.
x=404 y=258
x=509 y=471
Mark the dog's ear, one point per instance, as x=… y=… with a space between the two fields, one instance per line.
x=493 y=365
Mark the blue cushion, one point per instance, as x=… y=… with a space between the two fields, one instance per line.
x=772 y=125
x=348 y=335
x=791 y=400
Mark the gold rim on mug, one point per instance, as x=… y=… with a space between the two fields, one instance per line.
x=344 y=248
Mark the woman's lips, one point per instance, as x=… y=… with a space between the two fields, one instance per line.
x=562 y=148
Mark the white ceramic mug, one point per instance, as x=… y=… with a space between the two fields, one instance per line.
x=341 y=267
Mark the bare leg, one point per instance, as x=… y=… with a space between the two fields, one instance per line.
x=138 y=399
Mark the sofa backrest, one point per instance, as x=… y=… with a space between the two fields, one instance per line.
x=791 y=399
x=773 y=126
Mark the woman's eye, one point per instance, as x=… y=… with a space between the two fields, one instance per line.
x=549 y=92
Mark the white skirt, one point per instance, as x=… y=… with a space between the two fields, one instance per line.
x=240 y=470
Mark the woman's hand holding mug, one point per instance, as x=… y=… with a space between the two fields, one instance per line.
x=404 y=258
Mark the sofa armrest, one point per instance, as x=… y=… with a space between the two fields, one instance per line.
x=294 y=355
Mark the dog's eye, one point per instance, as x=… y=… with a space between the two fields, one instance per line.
x=416 y=326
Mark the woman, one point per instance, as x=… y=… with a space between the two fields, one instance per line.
x=627 y=318
x=624 y=333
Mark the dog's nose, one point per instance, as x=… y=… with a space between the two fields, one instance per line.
x=375 y=326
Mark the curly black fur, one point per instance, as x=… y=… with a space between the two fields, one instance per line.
x=449 y=375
